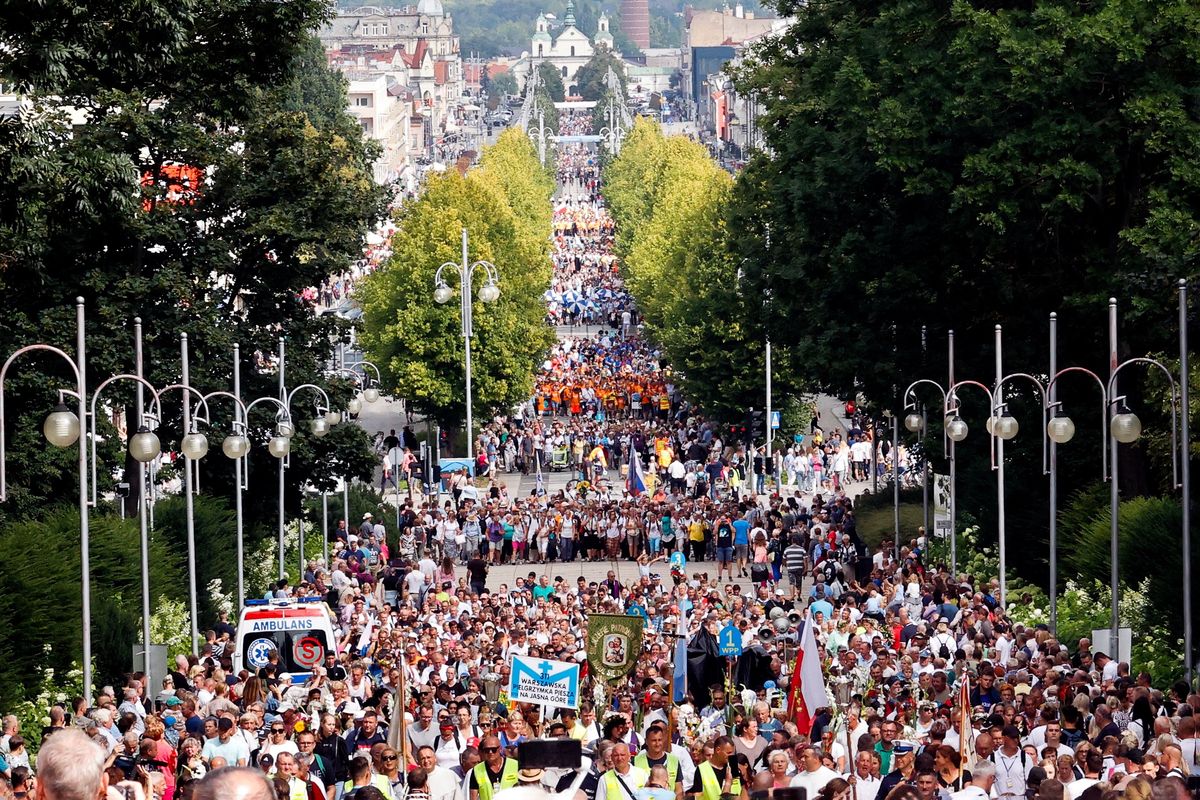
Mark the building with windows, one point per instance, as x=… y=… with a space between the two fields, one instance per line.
x=711 y=40
x=567 y=48
x=399 y=56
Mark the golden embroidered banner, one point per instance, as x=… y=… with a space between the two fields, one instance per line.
x=614 y=642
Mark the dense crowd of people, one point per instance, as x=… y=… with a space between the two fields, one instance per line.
x=945 y=694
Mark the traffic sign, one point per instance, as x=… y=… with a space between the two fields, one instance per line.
x=729 y=641
x=774 y=420
x=308 y=651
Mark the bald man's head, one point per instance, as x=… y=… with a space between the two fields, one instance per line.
x=235 y=783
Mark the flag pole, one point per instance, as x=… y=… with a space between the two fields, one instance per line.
x=964 y=702
x=671 y=710
x=402 y=702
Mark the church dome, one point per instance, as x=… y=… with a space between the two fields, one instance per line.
x=430 y=8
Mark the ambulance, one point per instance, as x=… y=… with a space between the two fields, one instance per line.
x=299 y=631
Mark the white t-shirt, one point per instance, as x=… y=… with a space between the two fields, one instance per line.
x=813 y=782
x=867 y=788
x=1078 y=787
x=970 y=792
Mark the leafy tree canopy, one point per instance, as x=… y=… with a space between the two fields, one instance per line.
x=213 y=175
x=959 y=165
x=591 y=76
x=552 y=81
x=669 y=199
x=503 y=84
x=505 y=206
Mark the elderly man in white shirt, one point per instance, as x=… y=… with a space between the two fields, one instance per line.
x=814 y=775
x=442 y=783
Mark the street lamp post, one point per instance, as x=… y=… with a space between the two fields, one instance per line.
x=488 y=293
x=541 y=135
x=144 y=447
x=62 y=429
x=236 y=447
x=1125 y=428
x=954 y=431
x=280 y=445
x=143 y=509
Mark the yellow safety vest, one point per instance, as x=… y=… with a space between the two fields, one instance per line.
x=380 y=782
x=634 y=779
x=642 y=760
x=711 y=786
x=508 y=777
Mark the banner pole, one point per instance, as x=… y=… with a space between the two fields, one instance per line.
x=402 y=701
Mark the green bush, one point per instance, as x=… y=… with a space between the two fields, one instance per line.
x=215 y=526
x=39 y=592
x=1149 y=545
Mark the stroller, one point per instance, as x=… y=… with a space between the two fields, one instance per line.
x=558 y=459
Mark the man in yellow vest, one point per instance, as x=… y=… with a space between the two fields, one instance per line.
x=657 y=755
x=494 y=772
x=624 y=779
x=717 y=778
x=362 y=776
x=285 y=767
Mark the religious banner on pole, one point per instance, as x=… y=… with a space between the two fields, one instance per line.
x=544 y=682
x=941 y=506
x=613 y=644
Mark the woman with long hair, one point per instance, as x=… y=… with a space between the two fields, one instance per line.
x=838 y=789
x=948 y=765
x=1141 y=721
x=253 y=692
x=333 y=748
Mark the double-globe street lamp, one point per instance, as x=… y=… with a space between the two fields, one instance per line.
x=369 y=393
x=61 y=429
x=1121 y=426
x=280 y=444
x=488 y=293
x=954 y=430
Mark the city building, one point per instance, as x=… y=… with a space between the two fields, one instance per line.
x=731 y=119
x=712 y=39
x=635 y=21
x=384 y=109
x=400 y=56
x=567 y=49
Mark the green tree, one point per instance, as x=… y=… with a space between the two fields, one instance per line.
x=669 y=200
x=415 y=341
x=551 y=81
x=935 y=162
x=214 y=176
x=960 y=165
x=591 y=76
x=503 y=84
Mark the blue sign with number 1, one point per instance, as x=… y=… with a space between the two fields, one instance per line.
x=729 y=640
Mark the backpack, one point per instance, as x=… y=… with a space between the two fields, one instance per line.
x=944 y=652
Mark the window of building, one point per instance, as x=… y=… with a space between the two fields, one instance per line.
x=541 y=49
x=362 y=100
x=572 y=51
x=564 y=72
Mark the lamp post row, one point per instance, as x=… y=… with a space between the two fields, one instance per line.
x=1120 y=426
x=62 y=428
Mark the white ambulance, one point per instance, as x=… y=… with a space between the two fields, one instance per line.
x=299 y=631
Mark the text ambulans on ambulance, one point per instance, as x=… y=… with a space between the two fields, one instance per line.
x=299 y=632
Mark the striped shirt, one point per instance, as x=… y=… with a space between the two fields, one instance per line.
x=793 y=558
